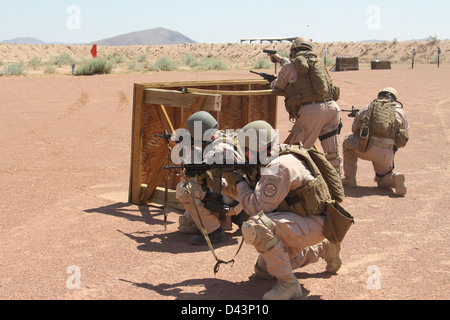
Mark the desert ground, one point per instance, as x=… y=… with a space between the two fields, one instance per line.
x=65 y=146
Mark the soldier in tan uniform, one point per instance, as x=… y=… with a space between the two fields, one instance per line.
x=217 y=146
x=310 y=100
x=285 y=240
x=379 y=129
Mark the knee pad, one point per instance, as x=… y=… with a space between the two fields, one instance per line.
x=184 y=192
x=259 y=232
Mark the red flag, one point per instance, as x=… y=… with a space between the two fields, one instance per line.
x=94 y=51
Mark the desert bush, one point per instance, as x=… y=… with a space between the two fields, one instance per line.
x=190 y=60
x=34 y=62
x=115 y=58
x=134 y=66
x=165 y=64
x=94 y=66
x=50 y=70
x=62 y=60
x=15 y=69
x=207 y=64
x=262 y=64
x=142 y=58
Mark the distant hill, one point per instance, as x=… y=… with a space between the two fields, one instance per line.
x=26 y=40
x=158 y=36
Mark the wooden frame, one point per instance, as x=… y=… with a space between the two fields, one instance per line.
x=167 y=106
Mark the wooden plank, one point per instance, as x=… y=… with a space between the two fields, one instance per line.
x=136 y=145
x=232 y=93
x=179 y=99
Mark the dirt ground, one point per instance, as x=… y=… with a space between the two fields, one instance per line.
x=65 y=146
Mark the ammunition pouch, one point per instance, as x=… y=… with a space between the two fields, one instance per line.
x=308 y=200
x=336 y=93
x=364 y=139
x=337 y=222
x=401 y=138
x=293 y=105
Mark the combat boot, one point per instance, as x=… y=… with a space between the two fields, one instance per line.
x=187 y=226
x=399 y=182
x=261 y=273
x=217 y=236
x=331 y=253
x=349 y=182
x=285 y=289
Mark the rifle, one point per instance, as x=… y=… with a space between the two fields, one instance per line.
x=214 y=201
x=266 y=76
x=166 y=136
x=353 y=112
x=192 y=170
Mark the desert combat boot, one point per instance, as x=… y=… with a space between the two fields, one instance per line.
x=331 y=253
x=285 y=289
x=349 y=182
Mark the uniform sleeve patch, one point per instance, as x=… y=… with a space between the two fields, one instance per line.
x=270 y=190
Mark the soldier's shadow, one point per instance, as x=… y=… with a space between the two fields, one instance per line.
x=216 y=289
x=172 y=242
x=361 y=191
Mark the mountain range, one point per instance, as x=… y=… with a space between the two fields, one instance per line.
x=157 y=36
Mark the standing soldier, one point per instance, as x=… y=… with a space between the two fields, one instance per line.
x=310 y=100
x=379 y=129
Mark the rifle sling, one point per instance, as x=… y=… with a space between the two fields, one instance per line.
x=208 y=241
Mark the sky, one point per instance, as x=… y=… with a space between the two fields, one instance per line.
x=82 y=21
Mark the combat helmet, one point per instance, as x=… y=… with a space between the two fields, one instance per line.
x=208 y=122
x=302 y=43
x=390 y=93
x=260 y=130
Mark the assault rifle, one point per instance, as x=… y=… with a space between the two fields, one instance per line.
x=266 y=76
x=192 y=170
x=213 y=201
x=353 y=112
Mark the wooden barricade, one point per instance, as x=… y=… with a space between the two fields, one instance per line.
x=380 y=65
x=167 y=106
x=347 y=63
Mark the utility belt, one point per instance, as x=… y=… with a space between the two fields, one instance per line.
x=317 y=101
x=382 y=144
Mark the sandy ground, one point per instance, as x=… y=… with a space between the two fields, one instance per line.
x=65 y=147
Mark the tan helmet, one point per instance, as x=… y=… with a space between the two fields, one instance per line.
x=302 y=43
x=207 y=121
x=264 y=134
x=391 y=91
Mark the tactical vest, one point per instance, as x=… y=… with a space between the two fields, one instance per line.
x=314 y=83
x=384 y=123
x=312 y=198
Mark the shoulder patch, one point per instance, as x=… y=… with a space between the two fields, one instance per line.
x=270 y=190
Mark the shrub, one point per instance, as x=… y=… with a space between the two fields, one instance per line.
x=50 y=70
x=34 y=62
x=262 y=64
x=134 y=66
x=94 y=66
x=165 y=64
x=190 y=60
x=15 y=69
x=141 y=58
x=62 y=60
x=207 y=64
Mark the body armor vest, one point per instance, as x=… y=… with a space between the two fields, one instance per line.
x=312 y=198
x=381 y=119
x=314 y=83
